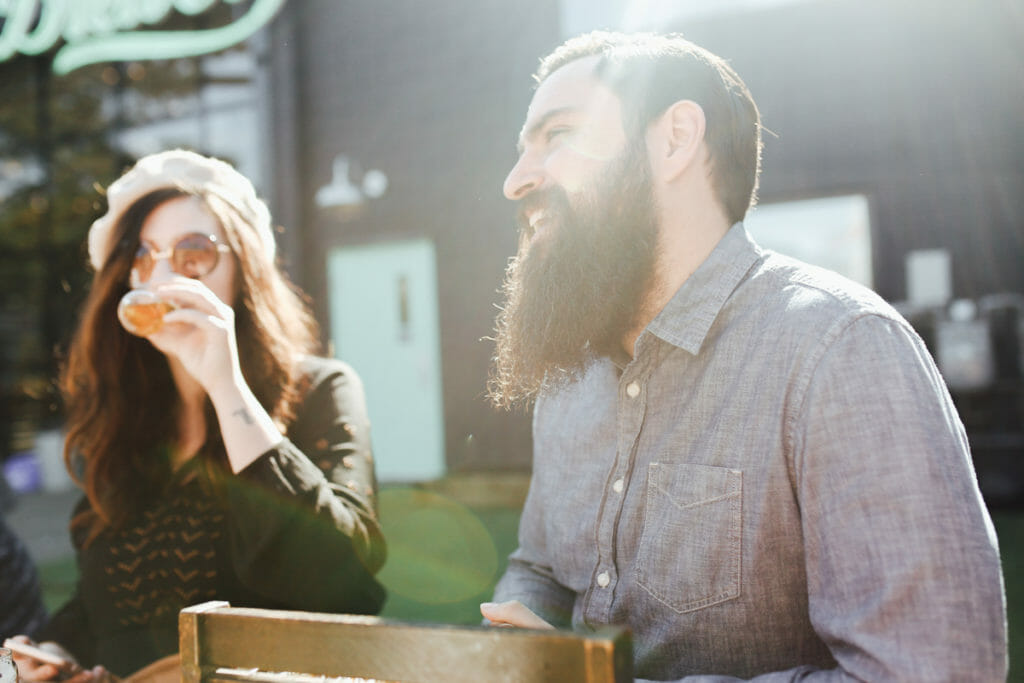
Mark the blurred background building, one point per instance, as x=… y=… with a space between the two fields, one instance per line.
x=380 y=133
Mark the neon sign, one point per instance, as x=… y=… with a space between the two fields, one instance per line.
x=103 y=30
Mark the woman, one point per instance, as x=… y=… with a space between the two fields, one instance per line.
x=219 y=459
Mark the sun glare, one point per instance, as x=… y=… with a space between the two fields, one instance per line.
x=579 y=16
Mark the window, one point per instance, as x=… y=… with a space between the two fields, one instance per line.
x=831 y=232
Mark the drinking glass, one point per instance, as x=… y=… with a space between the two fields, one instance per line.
x=141 y=312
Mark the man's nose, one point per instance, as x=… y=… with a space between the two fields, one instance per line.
x=525 y=177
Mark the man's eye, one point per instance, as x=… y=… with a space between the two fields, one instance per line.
x=553 y=133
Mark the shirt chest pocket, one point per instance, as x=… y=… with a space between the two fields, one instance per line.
x=690 y=547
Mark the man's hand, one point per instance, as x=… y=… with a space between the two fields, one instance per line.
x=512 y=613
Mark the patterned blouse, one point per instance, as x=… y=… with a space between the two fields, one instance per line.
x=297 y=529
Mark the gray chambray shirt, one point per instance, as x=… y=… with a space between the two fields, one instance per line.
x=777 y=485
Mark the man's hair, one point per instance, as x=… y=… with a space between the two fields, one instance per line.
x=650 y=72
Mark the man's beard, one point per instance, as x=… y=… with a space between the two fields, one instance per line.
x=575 y=292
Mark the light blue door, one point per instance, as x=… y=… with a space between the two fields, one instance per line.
x=384 y=322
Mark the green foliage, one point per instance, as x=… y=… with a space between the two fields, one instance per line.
x=444 y=558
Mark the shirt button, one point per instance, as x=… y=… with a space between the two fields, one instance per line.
x=603 y=579
x=617 y=486
x=632 y=389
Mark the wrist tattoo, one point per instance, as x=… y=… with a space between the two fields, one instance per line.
x=244 y=414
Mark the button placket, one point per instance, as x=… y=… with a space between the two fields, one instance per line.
x=630 y=420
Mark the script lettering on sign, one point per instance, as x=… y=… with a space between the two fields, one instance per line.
x=106 y=30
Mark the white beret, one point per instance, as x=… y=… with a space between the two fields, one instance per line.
x=187 y=171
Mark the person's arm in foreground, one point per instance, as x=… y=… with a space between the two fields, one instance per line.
x=304 y=523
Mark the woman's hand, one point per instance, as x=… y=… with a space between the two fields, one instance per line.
x=32 y=669
x=200 y=336
x=199 y=333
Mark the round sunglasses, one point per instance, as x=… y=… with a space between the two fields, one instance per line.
x=194 y=255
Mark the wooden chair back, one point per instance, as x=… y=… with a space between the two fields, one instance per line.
x=224 y=643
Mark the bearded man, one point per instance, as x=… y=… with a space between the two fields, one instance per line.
x=750 y=462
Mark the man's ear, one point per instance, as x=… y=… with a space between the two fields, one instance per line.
x=676 y=138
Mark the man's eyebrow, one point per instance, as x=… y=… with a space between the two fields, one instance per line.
x=539 y=124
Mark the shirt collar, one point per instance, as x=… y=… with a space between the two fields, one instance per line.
x=688 y=316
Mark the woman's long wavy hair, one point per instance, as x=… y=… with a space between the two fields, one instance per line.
x=121 y=402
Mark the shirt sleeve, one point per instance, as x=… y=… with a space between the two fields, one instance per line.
x=528 y=577
x=303 y=521
x=904 y=579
